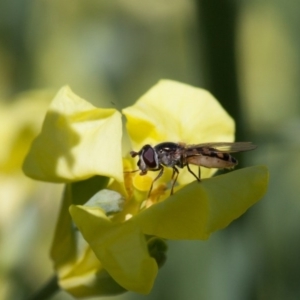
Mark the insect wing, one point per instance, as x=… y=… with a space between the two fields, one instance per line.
x=220 y=147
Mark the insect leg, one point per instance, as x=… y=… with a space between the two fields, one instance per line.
x=197 y=177
x=161 y=168
x=174 y=178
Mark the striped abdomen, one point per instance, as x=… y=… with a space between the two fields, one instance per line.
x=211 y=158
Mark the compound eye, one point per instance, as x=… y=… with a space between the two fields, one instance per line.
x=149 y=157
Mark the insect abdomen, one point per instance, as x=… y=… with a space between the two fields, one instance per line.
x=213 y=160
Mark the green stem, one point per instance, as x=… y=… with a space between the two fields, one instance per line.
x=46 y=291
x=217 y=32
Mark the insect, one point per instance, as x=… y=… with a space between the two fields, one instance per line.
x=180 y=155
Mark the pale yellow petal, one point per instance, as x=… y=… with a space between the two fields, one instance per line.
x=121 y=248
x=177 y=112
x=77 y=141
x=199 y=209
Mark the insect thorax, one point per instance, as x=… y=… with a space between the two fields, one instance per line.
x=169 y=154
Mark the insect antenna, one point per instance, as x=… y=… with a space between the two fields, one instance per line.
x=133 y=153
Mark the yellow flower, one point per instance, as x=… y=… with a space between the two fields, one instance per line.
x=119 y=245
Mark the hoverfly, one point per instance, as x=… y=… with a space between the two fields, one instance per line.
x=180 y=155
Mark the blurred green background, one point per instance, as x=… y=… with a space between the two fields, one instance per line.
x=110 y=53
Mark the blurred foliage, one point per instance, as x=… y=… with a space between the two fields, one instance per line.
x=112 y=51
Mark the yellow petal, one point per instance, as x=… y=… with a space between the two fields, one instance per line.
x=86 y=282
x=121 y=248
x=180 y=113
x=77 y=141
x=142 y=183
x=78 y=270
x=200 y=208
x=177 y=112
